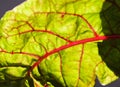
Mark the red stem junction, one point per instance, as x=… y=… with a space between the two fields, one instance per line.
x=93 y=39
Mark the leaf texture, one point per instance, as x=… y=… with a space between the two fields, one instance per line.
x=59 y=43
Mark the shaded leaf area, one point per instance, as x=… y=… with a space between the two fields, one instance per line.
x=53 y=43
x=109 y=49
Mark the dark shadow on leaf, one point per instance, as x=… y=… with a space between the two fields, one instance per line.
x=109 y=50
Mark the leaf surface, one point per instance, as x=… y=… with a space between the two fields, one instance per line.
x=58 y=43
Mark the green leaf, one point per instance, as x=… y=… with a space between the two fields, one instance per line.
x=60 y=43
x=109 y=49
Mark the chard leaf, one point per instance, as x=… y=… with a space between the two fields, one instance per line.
x=60 y=43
